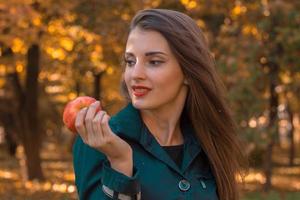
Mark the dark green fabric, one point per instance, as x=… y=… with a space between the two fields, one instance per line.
x=119 y=181
x=156 y=175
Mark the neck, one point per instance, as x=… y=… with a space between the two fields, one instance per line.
x=164 y=124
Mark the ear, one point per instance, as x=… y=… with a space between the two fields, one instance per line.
x=185 y=82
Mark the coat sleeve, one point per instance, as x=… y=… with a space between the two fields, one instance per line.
x=96 y=180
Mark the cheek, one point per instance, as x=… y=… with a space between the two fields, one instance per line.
x=126 y=78
x=170 y=80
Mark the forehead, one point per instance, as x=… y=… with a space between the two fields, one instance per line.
x=140 y=41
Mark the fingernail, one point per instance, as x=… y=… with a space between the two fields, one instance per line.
x=96 y=103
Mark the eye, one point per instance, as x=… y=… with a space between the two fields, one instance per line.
x=129 y=62
x=155 y=62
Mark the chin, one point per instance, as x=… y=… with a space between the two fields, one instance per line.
x=141 y=105
x=138 y=105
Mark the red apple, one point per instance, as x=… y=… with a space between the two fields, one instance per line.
x=73 y=107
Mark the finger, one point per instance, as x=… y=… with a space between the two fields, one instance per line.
x=79 y=123
x=97 y=123
x=90 y=116
x=105 y=126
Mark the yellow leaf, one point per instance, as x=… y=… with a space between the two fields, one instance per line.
x=238 y=10
x=184 y=2
x=19 y=67
x=72 y=96
x=192 y=4
x=88 y=37
x=18 y=46
x=98 y=48
x=125 y=17
x=67 y=44
x=155 y=3
x=286 y=78
x=23 y=24
x=51 y=28
x=189 y=4
x=250 y=30
x=36 y=21
x=110 y=71
x=200 y=23
x=2 y=70
x=56 y=53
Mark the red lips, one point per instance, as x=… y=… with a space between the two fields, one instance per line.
x=139 y=90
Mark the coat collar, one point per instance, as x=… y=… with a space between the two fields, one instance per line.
x=128 y=124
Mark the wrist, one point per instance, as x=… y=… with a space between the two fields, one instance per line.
x=122 y=164
x=121 y=158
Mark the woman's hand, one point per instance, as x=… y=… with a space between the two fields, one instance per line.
x=95 y=131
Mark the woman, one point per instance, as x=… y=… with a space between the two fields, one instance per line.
x=176 y=138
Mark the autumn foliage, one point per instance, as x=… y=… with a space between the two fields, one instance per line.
x=52 y=52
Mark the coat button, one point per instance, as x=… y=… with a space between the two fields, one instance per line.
x=184 y=185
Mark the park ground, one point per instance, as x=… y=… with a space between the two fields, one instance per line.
x=59 y=177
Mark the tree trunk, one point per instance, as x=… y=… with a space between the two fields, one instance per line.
x=272 y=127
x=291 y=136
x=28 y=124
x=97 y=85
x=32 y=139
x=77 y=87
x=11 y=138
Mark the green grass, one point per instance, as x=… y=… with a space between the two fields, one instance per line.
x=273 y=195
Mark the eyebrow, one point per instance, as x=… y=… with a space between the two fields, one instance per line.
x=148 y=53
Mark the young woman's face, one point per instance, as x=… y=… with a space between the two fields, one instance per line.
x=152 y=74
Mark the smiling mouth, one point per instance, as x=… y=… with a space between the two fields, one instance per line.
x=139 y=92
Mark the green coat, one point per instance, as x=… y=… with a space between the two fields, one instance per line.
x=155 y=175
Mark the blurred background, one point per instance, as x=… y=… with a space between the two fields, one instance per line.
x=52 y=51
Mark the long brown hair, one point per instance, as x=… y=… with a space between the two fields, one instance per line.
x=205 y=103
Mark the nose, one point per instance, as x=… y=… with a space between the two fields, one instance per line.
x=138 y=71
